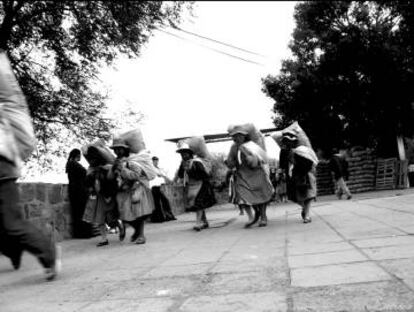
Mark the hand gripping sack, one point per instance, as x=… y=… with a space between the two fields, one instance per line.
x=14 y=117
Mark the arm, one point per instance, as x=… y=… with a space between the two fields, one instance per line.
x=231 y=160
x=131 y=172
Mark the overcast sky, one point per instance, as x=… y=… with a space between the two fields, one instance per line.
x=186 y=85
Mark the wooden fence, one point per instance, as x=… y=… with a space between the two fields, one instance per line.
x=366 y=173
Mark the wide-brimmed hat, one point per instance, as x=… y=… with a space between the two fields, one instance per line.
x=233 y=130
x=119 y=142
x=184 y=147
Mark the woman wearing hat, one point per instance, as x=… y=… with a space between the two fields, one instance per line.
x=132 y=170
x=101 y=205
x=251 y=180
x=301 y=169
x=199 y=192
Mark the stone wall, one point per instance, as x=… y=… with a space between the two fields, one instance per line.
x=47 y=206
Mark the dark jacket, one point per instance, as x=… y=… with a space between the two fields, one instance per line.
x=339 y=167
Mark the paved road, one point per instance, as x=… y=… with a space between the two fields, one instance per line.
x=356 y=255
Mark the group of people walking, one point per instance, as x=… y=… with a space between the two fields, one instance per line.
x=117 y=189
x=123 y=188
x=126 y=189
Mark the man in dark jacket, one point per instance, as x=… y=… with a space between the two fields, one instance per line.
x=339 y=169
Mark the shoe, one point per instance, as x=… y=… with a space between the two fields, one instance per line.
x=140 y=240
x=16 y=260
x=56 y=267
x=349 y=197
x=103 y=243
x=205 y=225
x=307 y=220
x=262 y=223
x=197 y=228
x=134 y=237
x=122 y=231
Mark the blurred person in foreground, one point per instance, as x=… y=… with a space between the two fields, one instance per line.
x=17 y=141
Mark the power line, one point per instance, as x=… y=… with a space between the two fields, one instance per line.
x=218 y=41
x=207 y=47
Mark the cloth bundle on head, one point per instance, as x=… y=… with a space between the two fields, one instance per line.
x=132 y=139
x=98 y=149
x=144 y=161
x=196 y=144
x=293 y=131
x=248 y=129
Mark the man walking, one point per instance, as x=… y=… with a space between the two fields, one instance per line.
x=17 y=141
x=339 y=168
x=162 y=211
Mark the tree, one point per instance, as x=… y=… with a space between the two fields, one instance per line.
x=57 y=47
x=351 y=75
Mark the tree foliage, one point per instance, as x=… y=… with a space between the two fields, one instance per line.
x=350 y=79
x=57 y=47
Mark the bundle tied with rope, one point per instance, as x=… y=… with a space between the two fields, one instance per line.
x=256 y=146
x=98 y=149
x=198 y=146
x=295 y=131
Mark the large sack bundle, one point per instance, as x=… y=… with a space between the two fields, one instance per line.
x=251 y=148
x=250 y=129
x=17 y=139
x=132 y=139
x=98 y=149
x=198 y=145
x=294 y=130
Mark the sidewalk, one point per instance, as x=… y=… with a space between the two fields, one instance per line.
x=356 y=255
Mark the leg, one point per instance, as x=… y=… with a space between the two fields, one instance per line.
x=157 y=214
x=139 y=229
x=22 y=234
x=306 y=211
x=263 y=217
x=338 y=189
x=166 y=207
x=343 y=187
x=248 y=210
x=199 y=221
x=256 y=216
x=204 y=219
x=104 y=239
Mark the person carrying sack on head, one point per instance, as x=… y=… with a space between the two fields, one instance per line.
x=194 y=173
x=133 y=169
x=17 y=141
x=252 y=184
x=101 y=207
x=162 y=211
x=298 y=160
x=339 y=169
